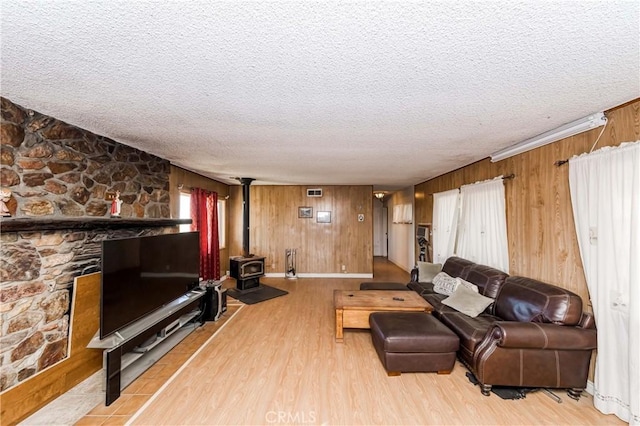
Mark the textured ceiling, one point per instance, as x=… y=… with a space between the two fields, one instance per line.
x=384 y=94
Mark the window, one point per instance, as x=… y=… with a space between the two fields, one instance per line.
x=446 y=211
x=472 y=225
x=185 y=210
x=222 y=220
x=482 y=225
x=185 y=213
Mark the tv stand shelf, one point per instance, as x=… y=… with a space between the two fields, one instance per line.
x=132 y=350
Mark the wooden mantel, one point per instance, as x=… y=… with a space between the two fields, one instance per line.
x=84 y=223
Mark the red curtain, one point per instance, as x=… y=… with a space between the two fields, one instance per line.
x=204 y=218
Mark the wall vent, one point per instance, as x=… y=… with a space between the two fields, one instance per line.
x=315 y=192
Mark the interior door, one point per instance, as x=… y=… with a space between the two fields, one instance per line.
x=385 y=232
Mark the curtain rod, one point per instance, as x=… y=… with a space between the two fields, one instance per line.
x=507 y=177
x=563 y=162
x=181 y=186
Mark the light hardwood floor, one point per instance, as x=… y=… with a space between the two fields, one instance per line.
x=276 y=362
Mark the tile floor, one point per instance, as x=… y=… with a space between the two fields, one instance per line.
x=70 y=407
x=84 y=404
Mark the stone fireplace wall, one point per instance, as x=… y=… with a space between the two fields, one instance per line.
x=56 y=170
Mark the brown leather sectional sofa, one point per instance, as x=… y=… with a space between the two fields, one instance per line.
x=534 y=335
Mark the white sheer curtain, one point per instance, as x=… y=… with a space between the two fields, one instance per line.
x=482 y=229
x=445 y=222
x=605 y=195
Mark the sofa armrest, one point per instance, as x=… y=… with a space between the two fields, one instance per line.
x=531 y=335
x=587 y=320
x=414 y=275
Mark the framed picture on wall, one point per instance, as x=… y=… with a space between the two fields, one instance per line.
x=323 y=217
x=305 y=212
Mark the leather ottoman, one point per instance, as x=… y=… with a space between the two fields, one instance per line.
x=413 y=342
x=374 y=285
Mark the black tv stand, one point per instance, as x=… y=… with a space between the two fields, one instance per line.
x=146 y=345
x=130 y=351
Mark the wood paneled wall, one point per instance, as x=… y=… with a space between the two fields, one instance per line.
x=322 y=248
x=540 y=227
x=190 y=180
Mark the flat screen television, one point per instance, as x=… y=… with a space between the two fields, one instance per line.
x=142 y=274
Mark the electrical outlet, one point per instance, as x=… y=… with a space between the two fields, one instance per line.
x=109 y=196
x=344 y=268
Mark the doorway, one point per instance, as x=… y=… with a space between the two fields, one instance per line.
x=380 y=229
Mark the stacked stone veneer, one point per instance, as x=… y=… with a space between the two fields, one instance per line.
x=56 y=170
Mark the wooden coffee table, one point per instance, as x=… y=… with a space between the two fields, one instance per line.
x=353 y=307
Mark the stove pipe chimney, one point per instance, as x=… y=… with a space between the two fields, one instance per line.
x=245 y=214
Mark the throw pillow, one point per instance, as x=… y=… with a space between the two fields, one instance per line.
x=467 y=301
x=467 y=284
x=427 y=271
x=444 y=283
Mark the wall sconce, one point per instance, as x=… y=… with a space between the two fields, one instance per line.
x=379 y=195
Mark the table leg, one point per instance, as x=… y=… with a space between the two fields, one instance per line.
x=339 y=328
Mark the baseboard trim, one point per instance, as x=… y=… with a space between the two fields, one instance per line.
x=590 y=389
x=311 y=275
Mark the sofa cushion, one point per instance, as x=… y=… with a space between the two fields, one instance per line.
x=457 y=267
x=471 y=331
x=421 y=288
x=426 y=271
x=528 y=300
x=443 y=283
x=467 y=301
x=488 y=279
x=435 y=300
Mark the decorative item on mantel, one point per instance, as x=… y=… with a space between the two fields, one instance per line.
x=115 y=205
x=7 y=203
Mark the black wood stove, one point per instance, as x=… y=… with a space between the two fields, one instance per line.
x=248 y=268
x=247 y=271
